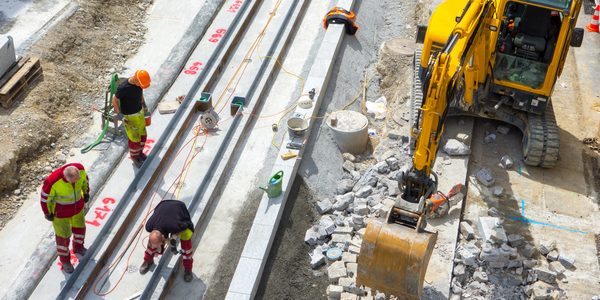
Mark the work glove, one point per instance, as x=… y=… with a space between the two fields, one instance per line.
x=49 y=217
x=86 y=198
x=173 y=246
x=119 y=116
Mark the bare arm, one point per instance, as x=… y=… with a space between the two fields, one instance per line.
x=115 y=103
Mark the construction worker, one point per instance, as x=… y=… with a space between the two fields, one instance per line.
x=129 y=103
x=170 y=220
x=63 y=197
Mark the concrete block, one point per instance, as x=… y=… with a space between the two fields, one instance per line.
x=324 y=206
x=380 y=296
x=347 y=283
x=491 y=231
x=468 y=254
x=348 y=296
x=546 y=246
x=529 y=251
x=506 y=162
x=348 y=166
x=567 y=262
x=361 y=209
x=361 y=232
x=541 y=291
x=343 y=230
x=463 y=137
x=508 y=251
x=335 y=271
x=467 y=230
x=354 y=249
x=556 y=267
x=352 y=269
x=392 y=163
x=544 y=274
x=368 y=178
x=456 y=147
x=348 y=257
x=459 y=270
x=366 y=298
x=340 y=238
x=311 y=236
x=480 y=276
x=317 y=258
x=552 y=255
x=530 y=263
x=343 y=201
x=334 y=291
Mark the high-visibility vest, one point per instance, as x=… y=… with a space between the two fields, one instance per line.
x=62 y=198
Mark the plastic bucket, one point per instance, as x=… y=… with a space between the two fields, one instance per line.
x=350 y=130
x=297 y=127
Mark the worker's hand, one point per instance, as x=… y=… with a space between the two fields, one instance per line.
x=86 y=198
x=119 y=116
x=49 y=217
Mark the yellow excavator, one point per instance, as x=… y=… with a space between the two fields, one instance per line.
x=497 y=59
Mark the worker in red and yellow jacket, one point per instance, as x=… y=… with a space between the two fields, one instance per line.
x=63 y=199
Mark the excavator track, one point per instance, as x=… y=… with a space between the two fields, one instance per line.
x=541 y=140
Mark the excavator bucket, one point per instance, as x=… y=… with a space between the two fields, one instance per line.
x=393 y=259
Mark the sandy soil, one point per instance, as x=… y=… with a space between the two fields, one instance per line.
x=78 y=55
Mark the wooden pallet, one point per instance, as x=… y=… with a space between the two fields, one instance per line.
x=18 y=79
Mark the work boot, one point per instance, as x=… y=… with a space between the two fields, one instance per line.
x=188 y=276
x=81 y=250
x=68 y=267
x=138 y=162
x=146 y=265
x=143 y=156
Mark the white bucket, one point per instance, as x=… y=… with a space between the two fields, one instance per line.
x=350 y=131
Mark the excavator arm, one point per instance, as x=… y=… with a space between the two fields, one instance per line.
x=394 y=254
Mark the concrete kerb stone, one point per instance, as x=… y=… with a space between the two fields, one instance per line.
x=41 y=259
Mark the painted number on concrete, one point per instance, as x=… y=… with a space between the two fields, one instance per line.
x=148 y=146
x=217 y=35
x=235 y=6
x=192 y=70
x=101 y=212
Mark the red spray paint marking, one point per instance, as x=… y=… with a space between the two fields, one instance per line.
x=235 y=6
x=74 y=261
x=215 y=37
x=148 y=146
x=194 y=68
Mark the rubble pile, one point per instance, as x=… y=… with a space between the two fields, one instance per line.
x=363 y=192
x=492 y=264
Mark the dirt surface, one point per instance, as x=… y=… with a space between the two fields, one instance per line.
x=289 y=275
x=77 y=55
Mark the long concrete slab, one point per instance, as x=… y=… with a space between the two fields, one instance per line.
x=249 y=269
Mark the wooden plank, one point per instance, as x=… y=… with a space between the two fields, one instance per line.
x=8 y=75
x=27 y=73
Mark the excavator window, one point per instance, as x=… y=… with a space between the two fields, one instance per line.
x=526 y=43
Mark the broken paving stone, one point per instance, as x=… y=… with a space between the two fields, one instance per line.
x=567 y=262
x=382 y=167
x=355 y=175
x=343 y=230
x=530 y=263
x=456 y=147
x=393 y=189
x=349 y=157
x=334 y=291
x=463 y=137
x=348 y=257
x=354 y=249
x=373 y=200
x=343 y=201
x=484 y=176
x=327 y=225
x=317 y=258
x=361 y=209
x=480 y=276
x=348 y=166
x=311 y=236
x=529 y=251
x=344 y=186
x=515 y=264
x=340 y=238
x=336 y=270
x=467 y=230
x=459 y=270
x=508 y=250
x=468 y=254
x=541 y=290
x=324 y=206
x=544 y=274
x=348 y=296
x=393 y=163
x=368 y=178
x=546 y=246
x=552 y=255
x=352 y=269
x=556 y=267
x=515 y=240
x=490 y=138
x=506 y=162
x=364 y=192
x=503 y=129
x=380 y=296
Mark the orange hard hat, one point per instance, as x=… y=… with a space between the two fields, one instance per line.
x=143 y=78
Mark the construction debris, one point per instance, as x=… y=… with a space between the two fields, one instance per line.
x=456 y=147
x=484 y=176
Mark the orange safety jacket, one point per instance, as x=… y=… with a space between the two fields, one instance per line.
x=62 y=198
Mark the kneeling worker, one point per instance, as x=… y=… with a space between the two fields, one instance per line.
x=169 y=220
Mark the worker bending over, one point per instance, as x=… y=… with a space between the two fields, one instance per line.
x=63 y=199
x=170 y=220
x=129 y=101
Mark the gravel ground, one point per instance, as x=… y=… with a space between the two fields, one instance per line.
x=40 y=128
